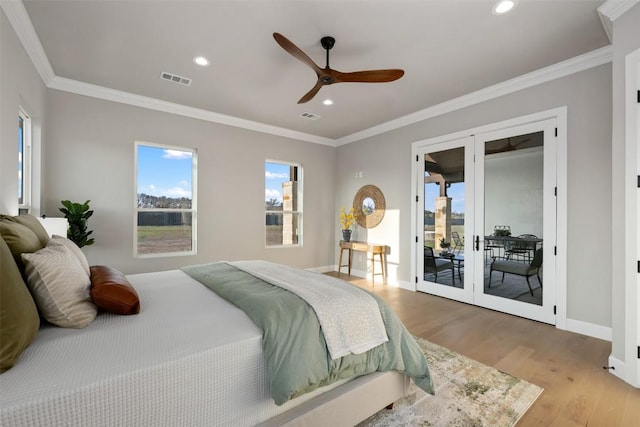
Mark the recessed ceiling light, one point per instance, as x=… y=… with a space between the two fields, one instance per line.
x=503 y=6
x=201 y=60
x=327 y=102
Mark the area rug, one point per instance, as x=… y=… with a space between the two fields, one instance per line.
x=468 y=393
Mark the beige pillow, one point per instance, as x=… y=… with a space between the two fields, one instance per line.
x=60 y=286
x=75 y=250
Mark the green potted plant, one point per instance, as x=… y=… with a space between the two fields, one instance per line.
x=444 y=244
x=77 y=215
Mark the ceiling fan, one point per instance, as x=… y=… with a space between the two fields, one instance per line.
x=328 y=76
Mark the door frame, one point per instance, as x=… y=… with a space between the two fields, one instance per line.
x=632 y=218
x=560 y=116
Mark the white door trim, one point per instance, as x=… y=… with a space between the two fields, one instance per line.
x=632 y=219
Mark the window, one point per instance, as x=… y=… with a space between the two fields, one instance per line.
x=283 y=204
x=24 y=161
x=165 y=200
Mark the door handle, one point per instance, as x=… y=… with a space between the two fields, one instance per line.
x=477 y=243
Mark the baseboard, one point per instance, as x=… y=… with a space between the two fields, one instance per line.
x=323 y=269
x=589 y=329
x=617 y=368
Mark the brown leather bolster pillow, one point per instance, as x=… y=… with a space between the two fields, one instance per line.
x=112 y=292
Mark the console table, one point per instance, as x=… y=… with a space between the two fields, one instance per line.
x=370 y=248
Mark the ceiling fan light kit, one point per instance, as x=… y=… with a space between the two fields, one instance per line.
x=327 y=75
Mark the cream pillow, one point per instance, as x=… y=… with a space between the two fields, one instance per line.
x=60 y=286
x=75 y=250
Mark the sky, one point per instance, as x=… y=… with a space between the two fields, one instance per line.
x=274 y=175
x=164 y=172
x=456 y=192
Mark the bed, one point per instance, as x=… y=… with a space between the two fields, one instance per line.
x=189 y=357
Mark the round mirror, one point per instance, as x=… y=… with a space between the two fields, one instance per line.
x=369 y=206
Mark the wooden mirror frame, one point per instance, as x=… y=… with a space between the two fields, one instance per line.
x=374 y=218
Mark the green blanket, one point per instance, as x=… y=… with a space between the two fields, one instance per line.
x=294 y=346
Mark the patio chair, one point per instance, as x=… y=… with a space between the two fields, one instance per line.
x=458 y=243
x=435 y=265
x=521 y=249
x=519 y=268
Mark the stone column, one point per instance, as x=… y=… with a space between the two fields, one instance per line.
x=289 y=206
x=442 y=220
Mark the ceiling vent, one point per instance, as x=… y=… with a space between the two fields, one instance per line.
x=175 y=78
x=310 y=116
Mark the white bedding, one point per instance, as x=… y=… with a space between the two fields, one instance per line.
x=189 y=358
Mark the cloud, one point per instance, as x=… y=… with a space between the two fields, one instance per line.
x=272 y=194
x=176 y=154
x=272 y=175
x=174 y=192
x=177 y=192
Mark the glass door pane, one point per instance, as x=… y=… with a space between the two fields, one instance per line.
x=443 y=209
x=515 y=217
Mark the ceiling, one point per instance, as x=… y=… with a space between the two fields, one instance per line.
x=448 y=48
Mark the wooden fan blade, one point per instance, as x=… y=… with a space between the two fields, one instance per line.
x=309 y=95
x=371 y=76
x=296 y=52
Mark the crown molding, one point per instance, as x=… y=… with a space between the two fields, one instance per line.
x=21 y=23
x=122 y=97
x=611 y=10
x=543 y=75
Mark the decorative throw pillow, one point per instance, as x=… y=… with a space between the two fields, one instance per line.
x=59 y=240
x=112 y=292
x=19 y=238
x=32 y=223
x=18 y=313
x=60 y=286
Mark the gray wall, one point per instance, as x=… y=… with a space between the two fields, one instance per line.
x=386 y=162
x=90 y=145
x=20 y=86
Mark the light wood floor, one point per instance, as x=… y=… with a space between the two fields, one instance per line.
x=577 y=390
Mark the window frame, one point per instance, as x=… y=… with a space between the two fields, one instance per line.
x=298 y=213
x=24 y=154
x=193 y=210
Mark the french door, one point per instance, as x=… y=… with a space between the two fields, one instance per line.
x=486 y=223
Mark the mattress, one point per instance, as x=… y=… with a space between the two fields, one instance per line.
x=188 y=358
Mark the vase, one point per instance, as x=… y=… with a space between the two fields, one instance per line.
x=346 y=235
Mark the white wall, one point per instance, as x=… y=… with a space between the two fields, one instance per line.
x=385 y=160
x=513 y=191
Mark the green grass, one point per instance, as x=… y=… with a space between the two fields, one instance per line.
x=164 y=238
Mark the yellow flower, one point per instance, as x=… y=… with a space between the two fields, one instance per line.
x=347 y=218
